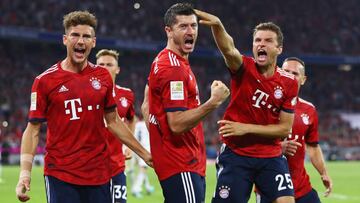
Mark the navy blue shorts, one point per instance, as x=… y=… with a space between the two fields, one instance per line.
x=58 y=191
x=118 y=188
x=237 y=174
x=310 y=197
x=185 y=187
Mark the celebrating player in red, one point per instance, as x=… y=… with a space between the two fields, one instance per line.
x=124 y=99
x=260 y=113
x=304 y=131
x=73 y=97
x=175 y=111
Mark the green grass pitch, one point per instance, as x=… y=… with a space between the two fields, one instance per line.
x=345 y=175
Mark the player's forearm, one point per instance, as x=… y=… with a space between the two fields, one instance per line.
x=145 y=107
x=183 y=121
x=119 y=129
x=317 y=159
x=29 y=144
x=223 y=40
x=270 y=131
x=226 y=45
x=131 y=124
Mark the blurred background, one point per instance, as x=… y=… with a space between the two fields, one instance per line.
x=325 y=34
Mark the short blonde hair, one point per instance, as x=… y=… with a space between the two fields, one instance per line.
x=108 y=52
x=79 y=18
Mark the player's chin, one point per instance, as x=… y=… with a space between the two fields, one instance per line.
x=79 y=60
x=261 y=63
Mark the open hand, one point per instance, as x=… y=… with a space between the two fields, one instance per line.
x=327 y=183
x=231 y=128
x=207 y=18
x=22 y=187
x=289 y=147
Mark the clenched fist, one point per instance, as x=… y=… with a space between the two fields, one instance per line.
x=219 y=92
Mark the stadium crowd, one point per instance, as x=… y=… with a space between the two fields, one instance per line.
x=329 y=88
x=337 y=20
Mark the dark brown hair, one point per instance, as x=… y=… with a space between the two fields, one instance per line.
x=79 y=18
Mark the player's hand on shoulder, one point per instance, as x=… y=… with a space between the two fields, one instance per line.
x=207 y=18
x=22 y=187
x=289 y=147
x=219 y=92
x=231 y=128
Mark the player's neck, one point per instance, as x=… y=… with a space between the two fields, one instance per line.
x=70 y=66
x=267 y=71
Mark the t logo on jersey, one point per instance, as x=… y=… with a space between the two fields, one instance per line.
x=73 y=109
x=259 y=97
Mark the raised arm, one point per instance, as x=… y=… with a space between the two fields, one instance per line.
x=279 y=130
x=29 y=144
x=224 y=41
x=119 y=128
x=182 y=121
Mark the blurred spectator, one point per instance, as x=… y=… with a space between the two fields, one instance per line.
x=334 y=30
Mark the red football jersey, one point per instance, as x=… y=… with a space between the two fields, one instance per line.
x=304 y=130
x=124 y=99
x=173 y=87
x=258 y=100
x=73 y=105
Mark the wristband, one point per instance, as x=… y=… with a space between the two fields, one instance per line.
x=26 y=157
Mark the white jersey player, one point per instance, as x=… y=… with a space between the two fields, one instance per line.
x=142 y=135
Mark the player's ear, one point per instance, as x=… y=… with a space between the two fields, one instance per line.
x=94 y=42
x=280 y=48
x=303 y=80
x=64 y=39
x=168 y=31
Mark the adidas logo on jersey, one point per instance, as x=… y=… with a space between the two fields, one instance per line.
x=63 y=89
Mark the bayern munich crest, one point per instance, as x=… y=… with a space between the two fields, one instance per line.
x=224 y=191
x=95 y=83
x=278 y=93
x=124 y=102
x=305 y=118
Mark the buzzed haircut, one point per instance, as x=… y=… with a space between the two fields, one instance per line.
x=177 y=9
x=272 y=27
x=296 y=59
x=108 y=52
x=79 y=18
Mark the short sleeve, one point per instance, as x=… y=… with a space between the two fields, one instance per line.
x=292 y=97
x=312 y=136
x=38 y=102
x=110 y=92
x=247 y=63
x=173 y=88
x=131 y=111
